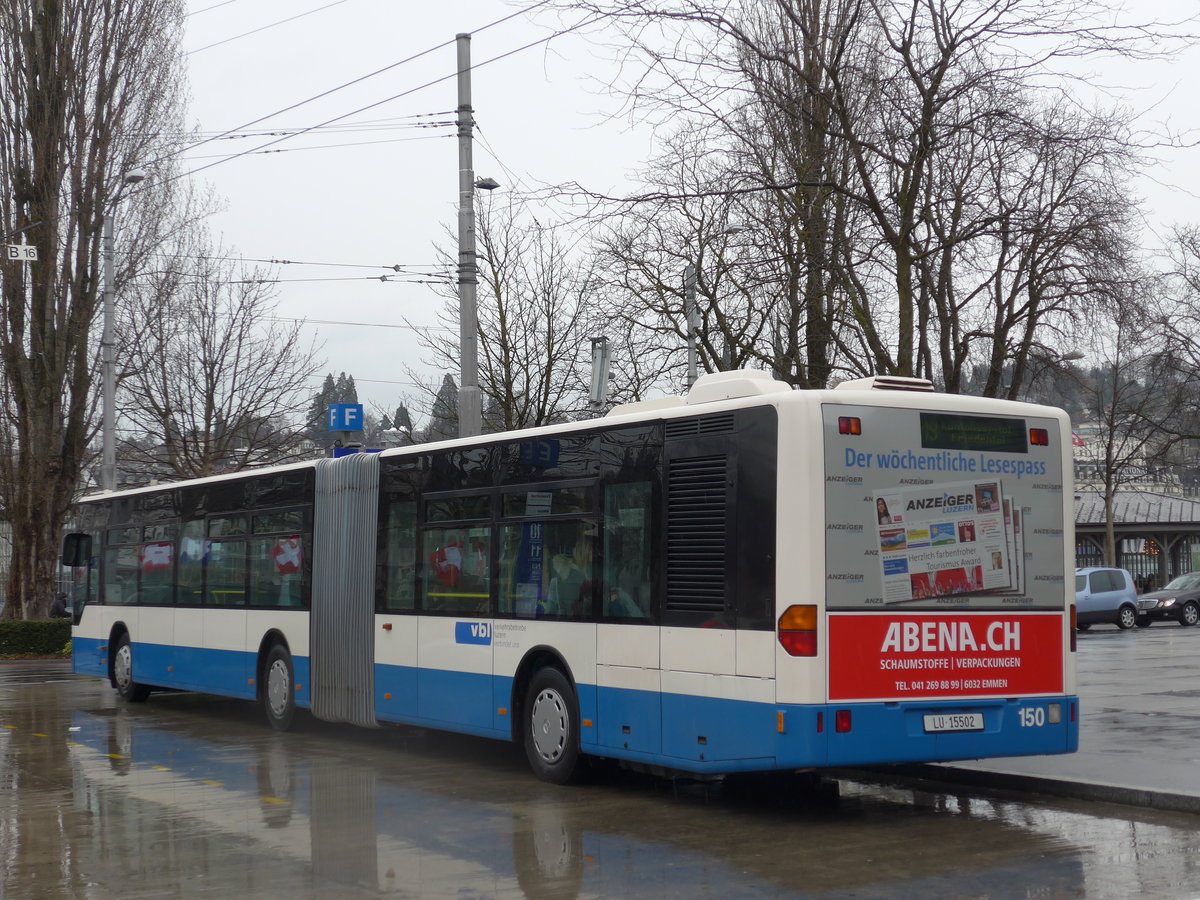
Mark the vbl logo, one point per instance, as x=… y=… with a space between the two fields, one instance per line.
x=472 y=632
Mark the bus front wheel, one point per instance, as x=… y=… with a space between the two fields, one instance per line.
x=129 y=689
x=551 y=727
x=279 y=695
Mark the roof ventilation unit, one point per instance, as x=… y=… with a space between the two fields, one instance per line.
x=738 y=383
x=887 y=383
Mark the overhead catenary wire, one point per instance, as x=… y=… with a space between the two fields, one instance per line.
x=362 y=78
x=405 y=93
x=265 y=27
x=431 y=137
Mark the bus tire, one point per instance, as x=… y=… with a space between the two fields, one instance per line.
x=130 y=690
x=279 y=692
x=551 y=727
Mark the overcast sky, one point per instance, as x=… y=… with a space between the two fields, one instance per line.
x=373 y=191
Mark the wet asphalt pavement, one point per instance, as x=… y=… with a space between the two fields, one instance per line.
x=1139 y=736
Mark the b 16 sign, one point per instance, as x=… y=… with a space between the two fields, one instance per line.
x=898 y=657
x=20 y=252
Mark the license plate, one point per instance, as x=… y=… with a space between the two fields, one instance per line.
x=953 y=722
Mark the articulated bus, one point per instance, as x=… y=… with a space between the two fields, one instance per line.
x=748 y=578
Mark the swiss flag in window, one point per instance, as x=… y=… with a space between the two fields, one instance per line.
x=287 y=555
x=156 y=557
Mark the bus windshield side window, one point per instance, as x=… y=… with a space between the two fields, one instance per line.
x=626 y=585
x=121 y=550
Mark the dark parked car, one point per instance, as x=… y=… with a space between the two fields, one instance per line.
x=1104 y=595
x=1179 y=600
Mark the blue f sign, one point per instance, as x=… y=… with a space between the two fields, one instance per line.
x=345 y=417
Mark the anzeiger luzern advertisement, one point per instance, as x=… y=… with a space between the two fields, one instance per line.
x=946 y=539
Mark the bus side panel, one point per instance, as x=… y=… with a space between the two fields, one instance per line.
x=455 y=671
x=153 y=645
x=707 y=717
x=395 y=667
x=188 y=660
x=629 y=710
x=89 y=643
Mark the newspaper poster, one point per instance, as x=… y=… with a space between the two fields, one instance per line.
x=945 y=540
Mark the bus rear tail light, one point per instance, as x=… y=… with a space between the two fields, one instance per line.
x=841 y=721
x=1074 y=626
x=1039 y=437
x=849 y=425
x=798 y=630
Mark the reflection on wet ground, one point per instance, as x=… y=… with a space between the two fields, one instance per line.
x=191 y=795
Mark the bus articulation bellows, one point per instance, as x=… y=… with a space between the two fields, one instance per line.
x=747 y=578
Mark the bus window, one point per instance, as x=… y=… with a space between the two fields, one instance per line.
x=121 y=565
x=157 y=573
x=189 y=573
x=548 y=502
x=400 y=556
x=458 y=570
x=225 y=573
x=625 y=592
x=277 y=571
x=546 y=569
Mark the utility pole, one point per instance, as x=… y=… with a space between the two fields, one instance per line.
x=470 y=406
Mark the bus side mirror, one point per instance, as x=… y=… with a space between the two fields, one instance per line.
x=77 y=550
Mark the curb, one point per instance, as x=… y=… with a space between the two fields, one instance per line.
x=943 y=775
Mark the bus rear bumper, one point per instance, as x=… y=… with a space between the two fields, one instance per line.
x=939 y=731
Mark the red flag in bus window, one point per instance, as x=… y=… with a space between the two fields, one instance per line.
x=447 y=563
x=287 y=556
x=156 y=557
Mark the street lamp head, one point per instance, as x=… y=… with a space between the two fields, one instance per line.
x=486 y=184
x=135 y=176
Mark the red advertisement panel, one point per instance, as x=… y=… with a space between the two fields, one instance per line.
x=908 y=657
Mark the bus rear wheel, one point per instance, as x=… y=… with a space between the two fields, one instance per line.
x=279 y=695
x=129 y=689
x=551 y=727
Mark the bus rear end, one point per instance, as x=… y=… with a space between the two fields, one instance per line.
x=942 y=623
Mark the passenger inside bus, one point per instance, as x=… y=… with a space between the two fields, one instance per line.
x=571 y=578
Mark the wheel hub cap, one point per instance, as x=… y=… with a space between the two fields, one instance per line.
x=550 y=728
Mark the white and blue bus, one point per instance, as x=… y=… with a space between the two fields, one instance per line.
x=748 y=578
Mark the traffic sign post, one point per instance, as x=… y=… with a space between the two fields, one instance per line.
x=344 y=417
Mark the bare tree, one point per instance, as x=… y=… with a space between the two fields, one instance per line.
x=91 y=90
x=214 y=382
x=931 y=202
x=535 y=312
x=1138 y=387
